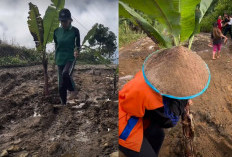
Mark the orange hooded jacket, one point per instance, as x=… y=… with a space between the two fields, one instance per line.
x=134 y=98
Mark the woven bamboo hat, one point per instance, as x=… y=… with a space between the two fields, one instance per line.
x=177 y=73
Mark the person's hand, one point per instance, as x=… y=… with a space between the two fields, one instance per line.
x=190 y=102
x=75 y=54
x=210 y=45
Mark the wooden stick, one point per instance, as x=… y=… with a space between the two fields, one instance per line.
x=188 y=131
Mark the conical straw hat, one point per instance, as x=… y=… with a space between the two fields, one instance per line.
x=177 y=73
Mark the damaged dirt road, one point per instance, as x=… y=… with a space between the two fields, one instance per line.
x=212 y=111
x=31 y=127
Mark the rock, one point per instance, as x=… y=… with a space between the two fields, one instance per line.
x=24 y=154
x=17 y=141
x=14 y=148
x=151 y=47
x=71 y=102
x=114 y=154
x=106 y=144
x=4 y=153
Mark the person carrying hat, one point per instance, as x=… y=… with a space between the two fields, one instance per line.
x=67 y=47
x=156 y=97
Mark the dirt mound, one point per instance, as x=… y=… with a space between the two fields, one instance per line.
x=212 y=111
x=173 y=71
x=31 y=126
x=132 y=56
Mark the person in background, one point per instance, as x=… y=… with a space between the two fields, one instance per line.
x=230 y=17
x=67 y=47
x=217 y=37
x=227 y=25
x=219 y=22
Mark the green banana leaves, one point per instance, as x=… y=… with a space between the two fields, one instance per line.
x=50 y=20
x=42 y=29
x=146 y=26
x=178 y=17
x=200 y=13
x=187 y=9
x=35 y=24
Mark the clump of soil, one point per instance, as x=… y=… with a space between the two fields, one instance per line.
x=172 y=71
x=87 y=127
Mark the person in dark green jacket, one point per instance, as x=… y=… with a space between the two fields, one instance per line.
x=67 y=48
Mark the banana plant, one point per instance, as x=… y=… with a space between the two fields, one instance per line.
x=178 y=17
x=200 y=13
x=42 y=30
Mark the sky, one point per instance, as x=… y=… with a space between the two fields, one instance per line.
x=85 y=13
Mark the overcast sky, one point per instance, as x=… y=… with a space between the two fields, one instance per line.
x=85 y=13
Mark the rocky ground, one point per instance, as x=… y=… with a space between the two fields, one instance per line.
x=31 y=127
x=212 y=111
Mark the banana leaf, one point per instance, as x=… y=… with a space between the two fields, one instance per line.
x=50 y=20
x=151 y=31
x=35 y=24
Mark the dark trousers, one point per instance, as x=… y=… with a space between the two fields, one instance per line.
x=152 y=142
x=65 y=82
x=226 y=30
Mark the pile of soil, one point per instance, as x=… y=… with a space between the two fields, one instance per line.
x=131 y=57
x=31 y=126
x=212 y=111
x=173 y=71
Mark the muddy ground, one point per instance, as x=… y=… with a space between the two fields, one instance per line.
x=31 y=127
x=212 y=111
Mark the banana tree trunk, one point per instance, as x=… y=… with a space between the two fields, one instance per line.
x=188 y=132
x=45 y=70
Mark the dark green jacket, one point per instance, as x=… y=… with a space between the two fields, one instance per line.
x=66 y=41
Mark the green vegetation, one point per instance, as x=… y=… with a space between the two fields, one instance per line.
x=91 y=56
x=98 y=46
x=219 y=8
x=127 y=35
x=178 y=20
x=18 y=56
x=103 y=41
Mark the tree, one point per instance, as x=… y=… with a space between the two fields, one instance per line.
x=219 y=8
x=104 y=41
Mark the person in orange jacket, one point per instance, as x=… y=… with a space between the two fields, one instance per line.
x=156 y=97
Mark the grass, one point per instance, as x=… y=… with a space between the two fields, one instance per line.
x=14 y=56
x=18 y=56
x=127 y=36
